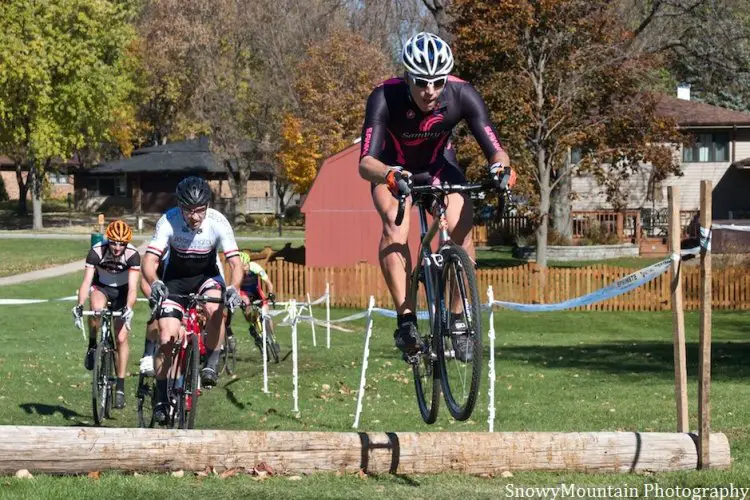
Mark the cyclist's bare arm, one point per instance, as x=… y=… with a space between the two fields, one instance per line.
x=267 y=281
x=149 y=266
x=236 y=270
x=133 y=278
x=88 y=278
x=373 y=170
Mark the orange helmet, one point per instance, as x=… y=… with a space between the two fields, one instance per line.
x=118 y=230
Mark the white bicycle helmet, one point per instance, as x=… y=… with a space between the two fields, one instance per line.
x=426 y=54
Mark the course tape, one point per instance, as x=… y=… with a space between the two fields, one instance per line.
x=619 y=287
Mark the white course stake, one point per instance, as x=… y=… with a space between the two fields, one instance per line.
x=328 y=316
x=312 y=320
x=363 y=375
x=265 y=354
x=491 y=391
x=295 y=392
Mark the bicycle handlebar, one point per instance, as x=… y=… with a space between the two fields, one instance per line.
x=197 y=298
x=103 y=313
x=442 y=189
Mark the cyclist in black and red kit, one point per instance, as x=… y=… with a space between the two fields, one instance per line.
x=406 y=140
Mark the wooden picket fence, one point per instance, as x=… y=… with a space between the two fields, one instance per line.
x=352 y=286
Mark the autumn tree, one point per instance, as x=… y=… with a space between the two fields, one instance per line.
x=169 y=33
x=332 y=86
x=558 y=74
x=63 y=75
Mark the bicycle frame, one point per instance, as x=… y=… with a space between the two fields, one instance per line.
x=427 y=259
x=107 y=324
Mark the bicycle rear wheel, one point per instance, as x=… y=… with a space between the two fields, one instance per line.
x=145 y=401
x=459 y=354
x=271 y=345
x=424 y=365
x=187 y=405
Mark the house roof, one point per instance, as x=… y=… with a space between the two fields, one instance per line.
x=743 y=164
x=183 y=156
x=696 y=114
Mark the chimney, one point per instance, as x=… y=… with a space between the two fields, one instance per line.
x=683 y=91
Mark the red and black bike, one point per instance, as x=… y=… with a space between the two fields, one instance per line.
x=183 y=379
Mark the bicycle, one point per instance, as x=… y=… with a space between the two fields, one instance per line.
x=444 y=282
x=103 y=377
x=228 y=359
x=256 y=329
x=183 y=379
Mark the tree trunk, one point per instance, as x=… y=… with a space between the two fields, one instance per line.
x=35 y=175
x=281 y=189
x=23 y=188
x=237 y=179
x=544 y=207
x=561 y=207
x=439 y=8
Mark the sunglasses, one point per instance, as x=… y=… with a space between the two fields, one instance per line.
x=195 y=210
x=422 y=83
x=117 y=244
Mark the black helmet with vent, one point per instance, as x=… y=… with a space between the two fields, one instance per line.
x=192 y=191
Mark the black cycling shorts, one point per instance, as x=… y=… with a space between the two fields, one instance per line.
x=174 y=307
x=116 y=295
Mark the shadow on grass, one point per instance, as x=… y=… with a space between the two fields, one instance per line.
x=728 y=359
x=230 y=394
x=49 y=410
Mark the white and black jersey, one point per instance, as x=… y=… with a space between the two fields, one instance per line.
x=111 y=271
x=192 y=252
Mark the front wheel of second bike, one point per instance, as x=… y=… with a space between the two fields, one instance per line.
x=460 y=347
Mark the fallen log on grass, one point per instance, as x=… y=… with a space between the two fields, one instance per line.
x=78 y=450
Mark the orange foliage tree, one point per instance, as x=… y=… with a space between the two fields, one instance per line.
x=332 y=85
x=558 y=74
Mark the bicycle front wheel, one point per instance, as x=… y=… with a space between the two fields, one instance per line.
x=101 y=399
x=460 y=349
x=145 y=401
x=227 y=360
x=424 y=365
x=188 y=398
x=271 y=345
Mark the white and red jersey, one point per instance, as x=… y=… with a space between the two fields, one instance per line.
x=192 y=252
x=111 y=270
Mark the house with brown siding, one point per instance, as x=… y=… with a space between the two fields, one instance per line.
x=722 y=141
x=60 y=181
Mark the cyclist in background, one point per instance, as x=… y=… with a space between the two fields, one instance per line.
x=406 y=140
x=250 y=290
x=111 y=275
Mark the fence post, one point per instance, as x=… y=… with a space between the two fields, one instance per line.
x=704 y=358
x=678 y=315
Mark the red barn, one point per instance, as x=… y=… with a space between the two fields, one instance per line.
x=342 y=226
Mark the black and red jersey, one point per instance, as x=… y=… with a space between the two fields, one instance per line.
x=397 y=132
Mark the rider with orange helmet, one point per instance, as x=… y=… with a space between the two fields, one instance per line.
x=111 y=276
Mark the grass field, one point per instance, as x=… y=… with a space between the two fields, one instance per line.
x=572 y=371
x=501 y=256
x=20 y=256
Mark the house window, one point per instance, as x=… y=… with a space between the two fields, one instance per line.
x=107 y=186
x=707 y=148
x=57 y=178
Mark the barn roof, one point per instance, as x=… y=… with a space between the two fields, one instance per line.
x=338 y=186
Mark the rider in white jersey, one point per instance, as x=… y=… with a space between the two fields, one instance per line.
x=191 y=233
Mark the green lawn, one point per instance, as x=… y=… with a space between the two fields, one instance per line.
x=570 y=371
x=501 y=256
x=23 y=255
